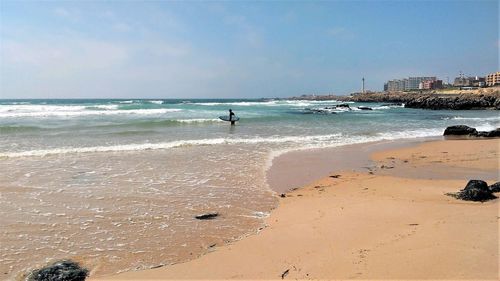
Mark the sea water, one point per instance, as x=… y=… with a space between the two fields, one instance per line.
x=115 y=184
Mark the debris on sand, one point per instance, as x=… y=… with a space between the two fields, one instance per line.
x=285 y=273
x=207 y=216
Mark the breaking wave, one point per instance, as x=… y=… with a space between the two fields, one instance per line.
x=41 y=111
x=311 y=141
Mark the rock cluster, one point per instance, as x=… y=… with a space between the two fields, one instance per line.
x=340 y=107
x=463 y=101
x=477 y=190
x=459 y=102
x=65 y=270
x=463 y=130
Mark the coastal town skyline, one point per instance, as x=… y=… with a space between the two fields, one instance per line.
x=232 y=50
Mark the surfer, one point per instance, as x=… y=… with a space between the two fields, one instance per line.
x=231 y=114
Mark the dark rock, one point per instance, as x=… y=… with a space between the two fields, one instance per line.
x=343 y=105
x=495 y=187
x=459 y=130
x=475 y=195
x=207 y=216
x=489 y=134
x=475 y=190
x=477 y=184
x=65 y=270
x=282 y=195
x=455 y=102
x=364 y=108
x=319 y=111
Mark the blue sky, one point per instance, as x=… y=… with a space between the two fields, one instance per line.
x=159 y=49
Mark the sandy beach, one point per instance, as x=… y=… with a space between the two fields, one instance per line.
x=388 y=220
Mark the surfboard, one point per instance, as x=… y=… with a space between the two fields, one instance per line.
x=226 y=118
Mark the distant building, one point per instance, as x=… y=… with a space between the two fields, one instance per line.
x=493 y=79
x=431 y=84
x=438 y=84
x=396 y=85
x=479 y=82
x=470 y=81
x=407 y=84
x=414 y=82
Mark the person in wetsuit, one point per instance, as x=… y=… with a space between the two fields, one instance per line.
x=231 y=114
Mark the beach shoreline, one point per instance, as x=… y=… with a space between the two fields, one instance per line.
x=433 y=227
x=312 y=164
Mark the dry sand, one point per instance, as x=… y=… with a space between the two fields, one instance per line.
x=392 y=221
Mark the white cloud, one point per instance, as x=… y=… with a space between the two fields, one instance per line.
x=164 y=49
x=71 y=15
x=248 y=33
x=65 y=56
x=335 y=31
x=62 y=12
x=121 y=27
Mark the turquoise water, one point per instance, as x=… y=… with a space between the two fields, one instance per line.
x=37 y=127
x=117 y=182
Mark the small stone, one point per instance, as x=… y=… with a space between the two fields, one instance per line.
x=207 y=216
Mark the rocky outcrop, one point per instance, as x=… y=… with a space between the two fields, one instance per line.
x=328 y=109
x=475 y=190
x=459 y=102
x=487 y=99
x=463 y=130
x=489 y=134
x=459 y=130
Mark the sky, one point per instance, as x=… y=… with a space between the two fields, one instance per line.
x=240 y=49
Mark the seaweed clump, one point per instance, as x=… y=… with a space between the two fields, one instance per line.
x=65 y=270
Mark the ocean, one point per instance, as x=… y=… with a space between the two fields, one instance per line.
x=115 y=183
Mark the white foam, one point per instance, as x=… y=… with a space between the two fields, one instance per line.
x=316 y=141
x=74 y=111
x=39 y=108
x=388 y=106
x=486 y=127
x=156 y=101
x=105 y=106
x=198 y=120
x=173 y=144
x=409 y=134
x=297 y=103
x=493 y=118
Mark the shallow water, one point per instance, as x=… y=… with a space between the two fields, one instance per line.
x=115 y=184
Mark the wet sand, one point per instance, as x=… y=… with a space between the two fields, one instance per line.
x=390 y=221
x=313 y=164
